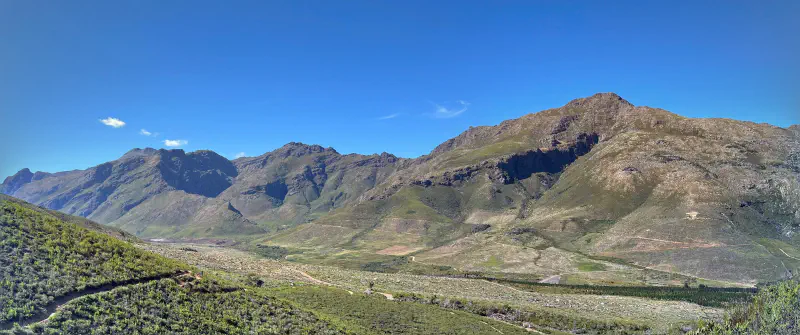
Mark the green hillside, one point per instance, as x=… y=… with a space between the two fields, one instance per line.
x=168 y=306
x=43 y=258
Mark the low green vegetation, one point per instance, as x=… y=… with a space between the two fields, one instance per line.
x=374 y=314
x=706 y=296
x=459 y=158
x=389 y=266
x=77 y=220
x=493 y=262
x=591 y=266
x=175 y=306
x=406 y=204
x=544 y=320
x=774 y=310
x=43 y=257
x=271 y=251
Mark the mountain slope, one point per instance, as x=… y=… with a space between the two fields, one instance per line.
x=164 y=193
x=43 y=258
x=711 y=198
x=597 y=177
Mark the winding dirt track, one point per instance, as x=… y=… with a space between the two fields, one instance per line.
x=56 y=304
x=320 y=282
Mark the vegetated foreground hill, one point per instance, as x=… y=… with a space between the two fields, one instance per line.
x=43 y=258
x=97 y=284
x=598 y=177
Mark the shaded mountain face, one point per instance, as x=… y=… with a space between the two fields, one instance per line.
x=711 y=198
x=169 y=193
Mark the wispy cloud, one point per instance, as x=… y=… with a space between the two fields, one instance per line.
x=112 y=122
x=145 y=132
x=175 y=143
x=443 y=112
x=240 y=155
x=390 y=116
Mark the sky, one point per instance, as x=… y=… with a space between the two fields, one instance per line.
x=82 y=82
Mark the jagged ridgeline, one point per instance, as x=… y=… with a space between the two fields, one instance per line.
x=598 y=177
x=59 y=277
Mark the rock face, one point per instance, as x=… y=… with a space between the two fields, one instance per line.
x=522 y=166
x=597 y=176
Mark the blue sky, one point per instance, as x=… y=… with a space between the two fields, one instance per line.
x=366 y=76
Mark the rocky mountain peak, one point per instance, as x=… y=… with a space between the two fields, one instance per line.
x=171 y=152
x=298 y=149
x=600 y=100
x=16 y=181
x=385 y=156
x=136 y=152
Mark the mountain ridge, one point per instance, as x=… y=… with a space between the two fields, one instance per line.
x=554 y=175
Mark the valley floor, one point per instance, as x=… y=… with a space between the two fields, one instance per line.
x=660 y=316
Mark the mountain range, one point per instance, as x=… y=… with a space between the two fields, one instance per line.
x=596 y=179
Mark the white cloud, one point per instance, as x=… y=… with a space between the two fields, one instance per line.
x=112 y=122
x=239 y=155
x=145 y=132
x=175 y=143
x=390 y=116
x=446 y=113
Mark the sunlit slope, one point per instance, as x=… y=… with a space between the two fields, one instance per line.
x=44 y=257
x=710 y=198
